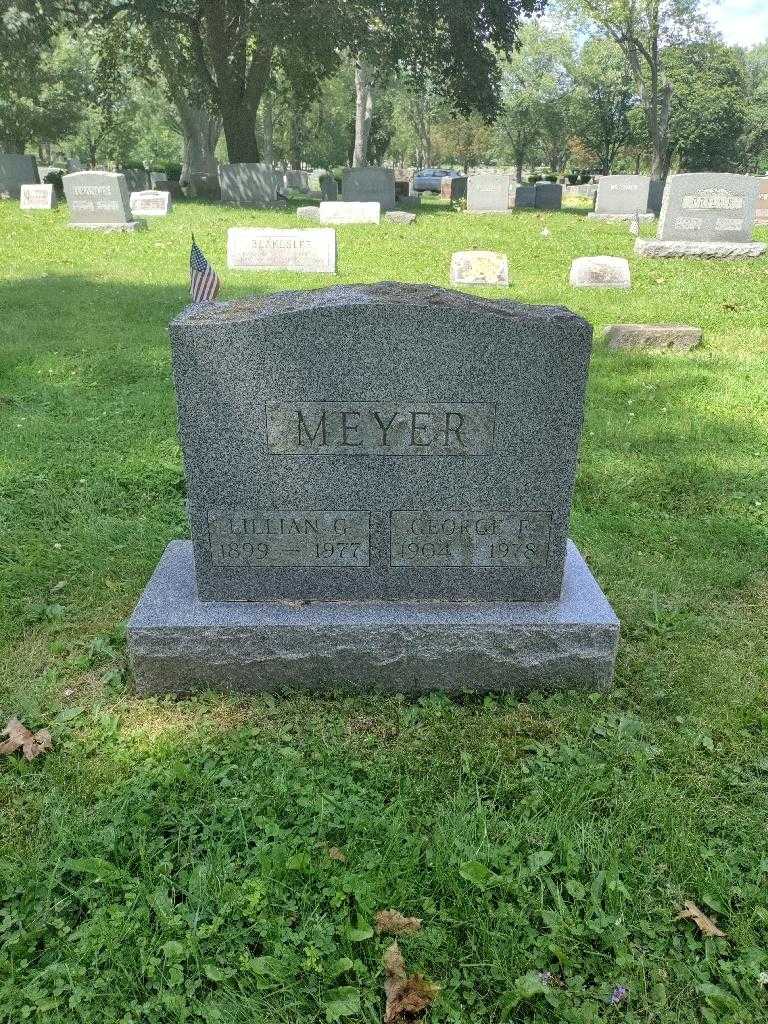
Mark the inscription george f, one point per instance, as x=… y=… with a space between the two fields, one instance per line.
x=381 y=428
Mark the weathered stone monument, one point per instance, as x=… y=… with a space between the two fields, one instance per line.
x=706 y=215
x=37 y=197
x=475 y=266
x=16 y=170
x=653 y=337
x=150 y=203
x=489 y=193
x=762 y=202
x=249 y=184
x=548 y=195
x=298 y=180
x=379 y=484
x=349 y=213
x=453 y=189
x=600 y=272
x=624 y=196
x=99 y=200
x=311 y=250
x=369 y=185
x=329 y=189
x=524 y=197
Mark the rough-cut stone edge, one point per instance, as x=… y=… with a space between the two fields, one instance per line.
x=308 y=213
x=655 y=247
x=131 y=225
x=652 y=337
x=621 y=216
x=179 y=644
x=576 y=263
x=400 y=217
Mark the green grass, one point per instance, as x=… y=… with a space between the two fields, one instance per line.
x=168 y=861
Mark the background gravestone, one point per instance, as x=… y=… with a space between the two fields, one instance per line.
x=475 y=266
x=708 y=215
x=150 y=203
x=249 y=184
x=453 y=189
x=762 y=203
x=312 y=251
x=99 y=200
x=622 y=196
x=548 y=195
x=349 y=213
x=136 y=179
x=16 y=170
x=37 y=197
x=379 y=483
x=329 y=189
x=524 y=197
x=369 y=185
x=489 y=193
x=298 y=180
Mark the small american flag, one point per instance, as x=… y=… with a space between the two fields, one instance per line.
x=204 y=282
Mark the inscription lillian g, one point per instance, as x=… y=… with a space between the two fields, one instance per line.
x=249 y=538
x=381 y=428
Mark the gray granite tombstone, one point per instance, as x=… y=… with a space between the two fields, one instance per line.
x=369 y=185
x=622 y=196
x=489 y=193
x=298 y=180
x=762 y=203
x=548 y=195
x=524 y=197
x=249 y=184
x=454 y=189
x=16 y=170
x=379 y=484
x=99 y=200
x=329 y=189
x=706 y=215
x=37 y=197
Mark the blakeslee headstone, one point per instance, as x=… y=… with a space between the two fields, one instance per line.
x=312 y=250
x=150 y=203
x=706 y=215
x=379 y=485
x=762 y=202
x=489 y=193
x=349 y=213
x=475 y=266
x=624 y=196
x=369 y=185
x=37 y=197
x=99 y=200
x=16 y=170
x=249 y=184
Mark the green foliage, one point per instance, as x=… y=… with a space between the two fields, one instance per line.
x=603 y=97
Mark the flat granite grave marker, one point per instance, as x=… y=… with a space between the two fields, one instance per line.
x=150 y=203
x=622 y=197
x=349 y=213
x=311 y=250
x=474 y=266
x=706 y=215
x=249 y=184
x=600 y=272
x=37 y=197
x=653 y=337
x=379 y=486
x=489 y=193
x=98 y=200
x=16 y=169
x=369 y=185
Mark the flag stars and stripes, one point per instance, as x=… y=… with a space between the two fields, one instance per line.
x=204 y=282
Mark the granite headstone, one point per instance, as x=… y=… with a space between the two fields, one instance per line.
x=548 y=195
x=454 y=189
x=762 y=203
x=524 y=197
x=312 y=250
x=379 y=484
x=99 y=200
x=475 y=266
x=369 y=185
x=622 y=196
x=349 y=213
x=600 y=272
x=37 y=197
x=251 y=184
x=150 y=203
x=329 y=188
x=16 y=170
x=489 y=193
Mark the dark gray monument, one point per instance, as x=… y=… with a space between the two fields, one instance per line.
x=489 y=193
x=706 y=215
x=454 y=189
x=16 y=170
x=369 y=185
x=329 y=189
x=99 y=200
x=524 y=197
x=250 y=184
x=624 y=196
x=762 y=203
x=379 y=491
x=548 y=195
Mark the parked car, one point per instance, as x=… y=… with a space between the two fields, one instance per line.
x=430 y=178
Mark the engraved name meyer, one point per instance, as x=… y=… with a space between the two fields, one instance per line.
x=381 y=428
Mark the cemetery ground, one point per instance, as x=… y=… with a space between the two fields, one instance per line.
x=222 y=858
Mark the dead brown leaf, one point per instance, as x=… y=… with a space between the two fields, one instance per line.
x=336 y=854
x=705 y=924
x=392 y=922
x=19 y=736
x=408 y=996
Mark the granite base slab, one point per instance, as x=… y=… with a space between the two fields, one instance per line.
x=131 y=225
x=621 y=216
x=701 y=250
x=179 y=644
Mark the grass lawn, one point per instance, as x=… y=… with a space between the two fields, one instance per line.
x=169 y=861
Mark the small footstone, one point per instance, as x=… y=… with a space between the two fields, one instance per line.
x=620 y=216
x=308 y=213
x=653 y=336
x=475 y=266
x=703 y=250
x=400 y=217
x=600 y=272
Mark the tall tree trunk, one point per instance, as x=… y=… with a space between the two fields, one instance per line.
x=201 y=131
x=363 y=112
x=268 y=126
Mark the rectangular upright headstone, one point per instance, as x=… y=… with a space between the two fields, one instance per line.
x=98 y=200
x=622 y=196
x=312 y=250
x=369 y=185
x=454 y=189
x=16 y=170
x=37 y=197
x=524 y=197
x=298 y=180
x=249 y=184
x=548 y=195
x=329 y=189
x=150 y=203
x=379 y=483
x=349 y=213
x=707 y=215
x=489 y=193
x=762 y=203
